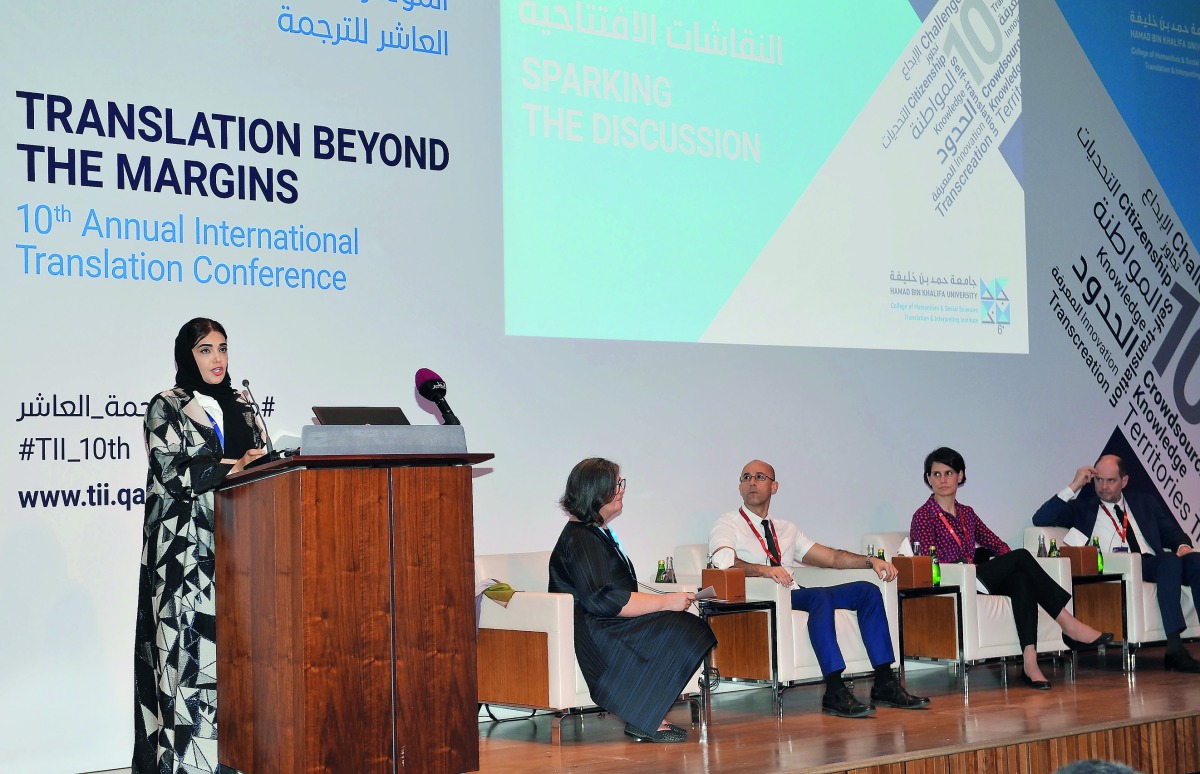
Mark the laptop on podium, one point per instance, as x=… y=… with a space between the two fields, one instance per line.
x=360 y=415
x=356 y=430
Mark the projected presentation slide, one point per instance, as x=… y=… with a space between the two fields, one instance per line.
x=765 y=173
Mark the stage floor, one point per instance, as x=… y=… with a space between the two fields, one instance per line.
x=986 y=718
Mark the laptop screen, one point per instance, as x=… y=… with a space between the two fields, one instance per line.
x=359 y=415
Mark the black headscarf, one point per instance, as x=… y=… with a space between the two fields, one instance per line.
x=239 y=436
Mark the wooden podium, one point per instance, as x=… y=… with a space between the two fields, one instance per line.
x=346 y=615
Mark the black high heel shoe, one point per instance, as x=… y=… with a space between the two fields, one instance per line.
x=1037 y=685
x=1074 y=644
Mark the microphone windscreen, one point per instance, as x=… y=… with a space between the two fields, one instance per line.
x=246 y=383
x=426 y=375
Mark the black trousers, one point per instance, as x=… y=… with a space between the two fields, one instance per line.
x=1018 y=576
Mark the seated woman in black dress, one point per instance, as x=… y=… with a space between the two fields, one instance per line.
x=955 y=530
x=637 y=651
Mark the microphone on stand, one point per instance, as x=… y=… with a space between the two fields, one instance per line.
x=271 y=454
x=432 y=388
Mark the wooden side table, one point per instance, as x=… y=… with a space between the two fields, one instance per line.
x=930 y=623
x=1100 y=602
x=746 y=638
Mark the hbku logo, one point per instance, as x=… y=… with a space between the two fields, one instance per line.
x=994 y=307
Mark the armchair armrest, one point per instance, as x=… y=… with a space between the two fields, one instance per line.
x=553 y=614
x=1049 y=632
x=667 y=588
x=824 y=576
x=1126 y=564
x=963 y=576
x=1142 y=620
x=530 y=611
x=1058 y=568
x=765 y=588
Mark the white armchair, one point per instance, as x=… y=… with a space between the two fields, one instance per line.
x=1143 y=621
x=797 y=660
x=689 y=560
x=527 y=649
x=988 y=628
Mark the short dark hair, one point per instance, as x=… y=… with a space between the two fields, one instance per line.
x=590 y=486
x=949 y=458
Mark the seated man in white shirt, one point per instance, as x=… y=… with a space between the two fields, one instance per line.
x=765 y=547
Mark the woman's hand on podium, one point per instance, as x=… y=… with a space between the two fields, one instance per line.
x=246 y=459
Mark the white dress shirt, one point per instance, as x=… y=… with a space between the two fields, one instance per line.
x=732 y=531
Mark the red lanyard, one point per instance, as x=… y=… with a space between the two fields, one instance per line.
x=778 y=556
x=1121 y=528
x=953 y=534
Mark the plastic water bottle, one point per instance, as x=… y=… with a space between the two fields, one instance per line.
x=671 y=569
x=1042 y=546
x=937 y=568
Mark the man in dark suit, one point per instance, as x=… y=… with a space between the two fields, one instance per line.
x=1137 y=523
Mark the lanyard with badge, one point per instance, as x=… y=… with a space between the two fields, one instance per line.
x=1122 y=529
x=615 y=543
x=217 y=428
x=778 y=555
x=953 y=534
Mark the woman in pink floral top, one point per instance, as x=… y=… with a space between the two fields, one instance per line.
x=955 y=530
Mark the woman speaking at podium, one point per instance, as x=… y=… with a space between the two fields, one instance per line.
x=636 y=651
x=197 y=433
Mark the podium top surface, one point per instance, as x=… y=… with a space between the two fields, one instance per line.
x=300 y=461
